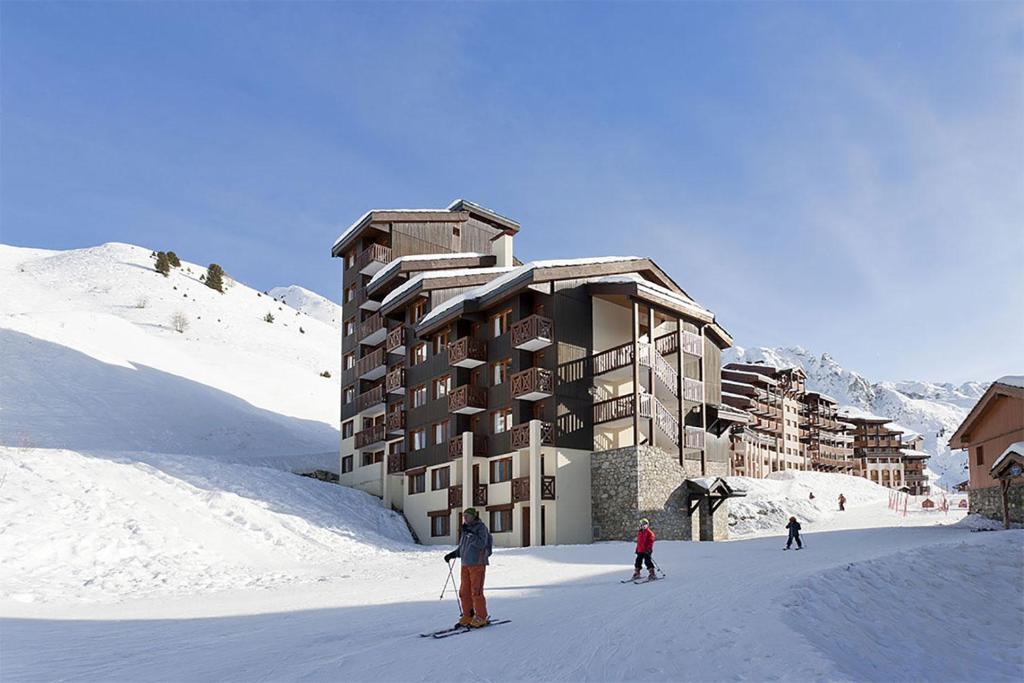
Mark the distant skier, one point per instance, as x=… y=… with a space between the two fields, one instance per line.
x=474 y=549
x=812 y=495
x=794 y=534
x=644 y=548
x=842 y=502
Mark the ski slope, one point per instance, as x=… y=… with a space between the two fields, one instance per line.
x=92 y=362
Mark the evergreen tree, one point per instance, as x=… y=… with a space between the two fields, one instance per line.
x=214 y=277
x=268 y=318
x=172 y=258
x=163 y=266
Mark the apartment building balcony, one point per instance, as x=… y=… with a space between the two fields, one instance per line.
x=361 y=300
x=395 y=422
x=621 y=358
x=532 y=333
x=467 y=352
x=521 y=489
x=394 y=381
x=369 y=400
x=667 y=344
x=454 y=496
x=621 y=408
x=372 y=259
x=372 y=331
x=520 y=437
x=371 y=366
x=693 y=437
x=533 y=384
x=468 y=399
x=479 y=446
x=395 y=341
x=915 y=478
x=371 y=436
x=693 y=390
x=396 y=463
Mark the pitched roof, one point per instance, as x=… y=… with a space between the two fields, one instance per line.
x=1007 y=386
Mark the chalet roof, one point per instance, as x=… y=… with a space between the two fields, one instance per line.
x=855 y=414
x=392 y=215
x=914 y=453
x=487 y=215
x=822 y=396
x=731 y=414
x=399 y=264
x=1015 y=452
x=437 y=279
x=715 y=487
x=1011 y=386
x=755 y=376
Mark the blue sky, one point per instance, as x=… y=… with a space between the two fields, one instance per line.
x=847 y=177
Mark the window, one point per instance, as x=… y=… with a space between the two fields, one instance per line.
x=350 y=361
x=502 y=420
x=371 y=458
x=439 y=525
x=350 y=258
x=417 y=439
x=500 y=371
x=350 y=394
x=419 y=396
x=441 y=432
x=418 y=310
x=419 y=354
x=979 y=455
x=350 y=327
x=501 y=470
x=440 y=342
x=346 y=464
x=501 y=521
x=347 y=429
x=499 y=322
x=417 y=483
x=442 y=386
x=439 y=478
x=350 y=293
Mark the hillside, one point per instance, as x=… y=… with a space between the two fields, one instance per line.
x=92 y=361
x=933 y=410
x=310 y=303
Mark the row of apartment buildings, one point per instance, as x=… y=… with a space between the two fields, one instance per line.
x=789 y=427
x=563 y=398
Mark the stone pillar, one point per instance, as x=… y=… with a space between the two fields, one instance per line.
x=467 y=470
x=535 y=480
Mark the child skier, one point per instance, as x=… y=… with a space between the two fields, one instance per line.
x=644 y=548
x=794 y=534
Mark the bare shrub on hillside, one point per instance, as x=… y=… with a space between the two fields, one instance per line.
x=179 y=321
x=141 y=302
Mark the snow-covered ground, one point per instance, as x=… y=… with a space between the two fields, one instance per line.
x=310 y=303
x=91 y=361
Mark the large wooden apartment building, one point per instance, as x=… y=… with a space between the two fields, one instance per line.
x=562 y=398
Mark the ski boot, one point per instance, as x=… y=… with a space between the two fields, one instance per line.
x=477 y=622
x=636 y=575
x=651 y=576
x=465 y=620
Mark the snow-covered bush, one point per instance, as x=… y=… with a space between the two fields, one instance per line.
x=179 y=321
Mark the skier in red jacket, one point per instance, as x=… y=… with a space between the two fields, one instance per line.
x=644 y=548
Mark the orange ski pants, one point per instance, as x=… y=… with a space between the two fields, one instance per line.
x=471 y=592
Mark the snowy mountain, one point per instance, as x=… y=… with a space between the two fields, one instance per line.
x=102 y=353
x=310 y=303
x=931 y=409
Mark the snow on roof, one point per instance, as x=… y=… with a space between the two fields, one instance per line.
x=431 y=274
x=480 y=207
x=1012 y=380
x=756 y=375
x=823 y=395
x=394 y=265
x=1017 y=448
x=511 y=276
x=654 y=288
x=729 y=393
x=915 y=453
x=359 y=221
x=855 y=413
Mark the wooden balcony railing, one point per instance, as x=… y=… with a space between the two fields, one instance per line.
x=454 y=496
x=693 y=389
x=394 y=381
x=467 y=399
x=395 y=422
x=480 y=495
x=372 y=330
x=396 y=463
x=666 y=421
x=521 y=435
x=692 y=344
x=620 y=407
x=667 y=344
x=370 y=436
x=533 y=384
x=533 y=333
x=467 y=352
x=694 y=437
x=371 y=398
x=395 y=342
x=372 y=259
x=479 y=446
x=521 y=489
x=613 y=358
x=371 y=366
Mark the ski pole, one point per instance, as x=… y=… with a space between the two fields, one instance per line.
x=451 y=578
x=657 y=566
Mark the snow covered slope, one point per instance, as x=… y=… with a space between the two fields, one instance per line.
x=930 y=409
x=78 y=528
x=310 y=303
x=92 y=361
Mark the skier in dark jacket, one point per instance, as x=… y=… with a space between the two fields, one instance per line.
x=474 y=549
x=794 y=534
x=842 y=502
x=644 y=548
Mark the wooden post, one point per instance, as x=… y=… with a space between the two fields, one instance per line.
x=703 y=403
x=679 y=392
x=636 y=373
x=467 y=470
x=535 y=484
x=1004 y=489
x=651 y=382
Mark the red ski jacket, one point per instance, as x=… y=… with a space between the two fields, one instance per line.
x=644 y=540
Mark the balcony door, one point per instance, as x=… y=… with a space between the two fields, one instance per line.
x=526 y=526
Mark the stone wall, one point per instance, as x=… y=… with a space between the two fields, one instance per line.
x=645 y=481
x=989 y=502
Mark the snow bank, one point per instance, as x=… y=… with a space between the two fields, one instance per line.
x=92 y=362
x=76 y=527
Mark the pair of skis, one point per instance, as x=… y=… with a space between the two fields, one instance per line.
x=458 y=630
x=637 y=582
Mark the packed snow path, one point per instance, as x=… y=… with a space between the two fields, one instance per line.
x=873 y=604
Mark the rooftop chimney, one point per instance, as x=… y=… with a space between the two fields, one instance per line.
x=501 y=247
